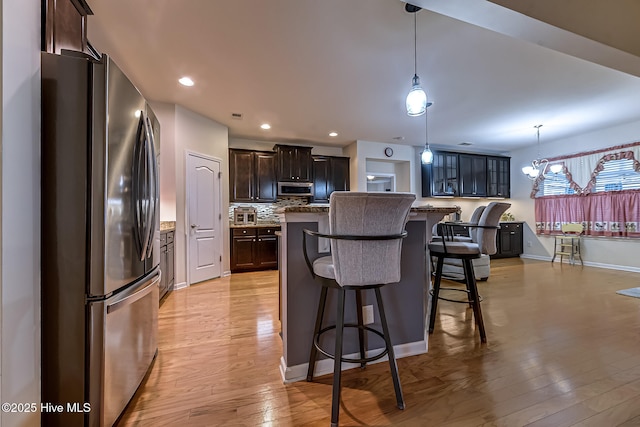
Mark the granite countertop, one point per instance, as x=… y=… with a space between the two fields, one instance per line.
x=259 y=224
x=323 y=209
x=167 y=225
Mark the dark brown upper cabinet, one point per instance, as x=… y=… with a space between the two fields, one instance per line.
x=294 y=163
x=329 y=174
x=65 y=25
x=473 y=175
x=468 y=175
x=252 y=176
x=498 y=177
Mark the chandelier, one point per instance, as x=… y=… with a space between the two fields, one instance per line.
x=539 y=166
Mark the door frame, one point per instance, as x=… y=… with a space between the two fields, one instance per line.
x=187 y=196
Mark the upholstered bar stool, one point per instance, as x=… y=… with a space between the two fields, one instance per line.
x=365 y=232
x=446 y=246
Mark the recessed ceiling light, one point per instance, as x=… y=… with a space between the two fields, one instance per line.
x=137 y=113
x=333 y=133
x=265 y=126
x=186 y=81
x=398 y=138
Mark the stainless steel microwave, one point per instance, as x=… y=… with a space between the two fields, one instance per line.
x=295 y=189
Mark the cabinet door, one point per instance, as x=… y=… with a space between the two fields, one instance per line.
x=498 y=177
x=340 y=174
x=303 y=164
x=241 y=182
x=242 y=252
x=473 y=175
x=170 y=267
x=286 y=163
x=321 y=178
x=444 y=174
x=163 y=269
x=267 y=251
x=265 y=177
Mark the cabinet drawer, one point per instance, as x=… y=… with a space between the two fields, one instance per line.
x=271 y=231
x=170 y=237
x=509 y=226
x=244 y=232
x=163 y=239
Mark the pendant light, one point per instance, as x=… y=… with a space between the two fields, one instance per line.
x=538 y=166
x=416 y=99
x=427 y=155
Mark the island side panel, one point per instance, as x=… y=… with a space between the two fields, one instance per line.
x=404 y=302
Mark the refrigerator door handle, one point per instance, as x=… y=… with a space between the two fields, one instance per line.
x=152 y=175
x=135 y=296
x=138 y=198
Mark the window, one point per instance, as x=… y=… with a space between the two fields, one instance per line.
x=617 y=175
x=554 y=184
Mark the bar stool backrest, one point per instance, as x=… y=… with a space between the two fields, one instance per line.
x=490 y=218
x=475 y=218
x=367 y=262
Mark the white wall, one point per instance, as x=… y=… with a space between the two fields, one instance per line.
x=367 y=153
x=607 y=252
x=166 y=114
x=20 y=276
x=196 y=133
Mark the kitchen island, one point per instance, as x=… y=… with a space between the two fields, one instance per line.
x=406 y=303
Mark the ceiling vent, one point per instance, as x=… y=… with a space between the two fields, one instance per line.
x=236 y=116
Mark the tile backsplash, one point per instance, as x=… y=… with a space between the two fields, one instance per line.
x=266 y=211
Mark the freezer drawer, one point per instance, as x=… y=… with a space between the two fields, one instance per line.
x=130 y=344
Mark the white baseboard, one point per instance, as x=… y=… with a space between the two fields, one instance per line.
x=180 y=285
x=587 y=263
x=226 y=273
x=295 y=373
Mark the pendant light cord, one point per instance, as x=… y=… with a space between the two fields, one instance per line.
x=426 y=127
x=538 y=131
x=415 y=45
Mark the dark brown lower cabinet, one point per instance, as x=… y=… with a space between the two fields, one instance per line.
x=509 y=240
x=167 y=262
x=254 y=248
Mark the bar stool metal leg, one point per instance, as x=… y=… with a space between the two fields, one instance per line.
x=392 y=358
x=316 y=330
x=361 y=335
x=435 y=293
x=473 y=293
x=337 y=363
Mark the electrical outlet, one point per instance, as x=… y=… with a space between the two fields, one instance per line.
x=529 y=244
x=367 y=314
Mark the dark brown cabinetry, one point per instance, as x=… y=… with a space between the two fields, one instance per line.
x=469 y=175
x=254 y=248
x=329 y=174
x=294 y=163
x=252 y=176
x=440 y=178
x=65 y=25
x=167 y=262
x=498 y=177
x=473 y=175
x=509 y=240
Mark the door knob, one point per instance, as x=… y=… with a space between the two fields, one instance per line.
x=194 y=226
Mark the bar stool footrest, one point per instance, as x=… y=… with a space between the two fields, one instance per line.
x=480 y=299
x=348 y=359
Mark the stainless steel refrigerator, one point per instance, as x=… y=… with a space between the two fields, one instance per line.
x=100 y=239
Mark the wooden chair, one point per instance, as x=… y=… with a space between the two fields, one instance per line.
x=568 y=243
x=365 y=232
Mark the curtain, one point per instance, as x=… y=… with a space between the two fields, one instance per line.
x=614 y=214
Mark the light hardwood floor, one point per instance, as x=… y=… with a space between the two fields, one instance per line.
x=563 y=349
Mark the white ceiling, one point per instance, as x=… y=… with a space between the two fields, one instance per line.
x=311 y=67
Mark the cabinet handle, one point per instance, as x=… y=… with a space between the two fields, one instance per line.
x=259 y=240
x=513 y=232
x=244 y=231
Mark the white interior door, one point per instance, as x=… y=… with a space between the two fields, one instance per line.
x=204 y=219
